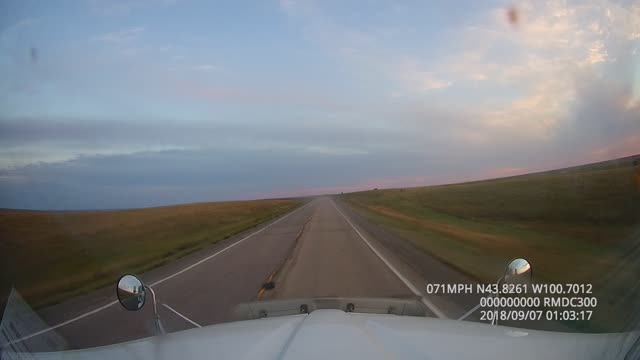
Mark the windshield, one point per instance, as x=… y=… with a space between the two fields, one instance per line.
x=472 y=161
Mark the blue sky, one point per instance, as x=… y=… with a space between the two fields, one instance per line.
x=115 y=104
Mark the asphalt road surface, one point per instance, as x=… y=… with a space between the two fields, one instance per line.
x=331 y=259
x=320 y=249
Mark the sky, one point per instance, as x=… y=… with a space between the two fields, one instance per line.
x=118 y=104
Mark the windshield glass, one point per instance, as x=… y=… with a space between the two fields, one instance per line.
x=372 y=157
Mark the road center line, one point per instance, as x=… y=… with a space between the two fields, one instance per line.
x=105 y=306
x=225 y=249
x=411 y=287
x=182 y=316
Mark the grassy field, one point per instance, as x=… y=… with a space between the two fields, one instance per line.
x=577 y=225
x=84 y=250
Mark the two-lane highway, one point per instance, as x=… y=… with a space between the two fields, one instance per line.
x=330 y=259
x=201 y=288
x=316 y=250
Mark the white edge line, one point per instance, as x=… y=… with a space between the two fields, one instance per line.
x=62 y=323
x=88 y=313
x=411 y=287
x=182 y=316
x=469 y=312
x=227 y=248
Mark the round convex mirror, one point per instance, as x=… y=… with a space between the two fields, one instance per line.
x=131 y=293
x=518 y=271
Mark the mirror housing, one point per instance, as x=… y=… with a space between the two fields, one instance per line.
x=131 y=292
x=518 y=271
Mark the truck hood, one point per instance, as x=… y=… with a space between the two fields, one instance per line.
x=334 y=334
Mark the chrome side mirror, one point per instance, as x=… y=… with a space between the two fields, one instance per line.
x=131 y=292
x=518 y=271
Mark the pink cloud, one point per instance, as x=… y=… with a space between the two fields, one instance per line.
x=379 y=183
x=506 y=171
x=627 y=146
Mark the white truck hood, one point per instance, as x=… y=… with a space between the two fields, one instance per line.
x=334 y=334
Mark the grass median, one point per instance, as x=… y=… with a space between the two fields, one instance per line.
x=578 y=225
x=53 y=255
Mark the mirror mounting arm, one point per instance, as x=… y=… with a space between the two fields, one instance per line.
x=156 y=317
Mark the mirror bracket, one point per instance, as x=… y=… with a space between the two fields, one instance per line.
x=156 y=317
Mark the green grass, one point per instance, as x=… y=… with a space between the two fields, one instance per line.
x=574 y=225
x=51 y=256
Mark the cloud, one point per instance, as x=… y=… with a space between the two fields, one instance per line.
x=27 y=21
x=152 y=178
x=426 y=81
x=256 y=95
x=601 y=124
x=542 y=61
x=155 y=178
x=293 y=7
x=365 y=184
x=415 y=79
x=69 y=133
x=124 y=7
x=428 y=146
x=121 y=36
x=535 y=59
x=206 y=67
x=558 y=88
x=506 y=171
x=287 y=4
